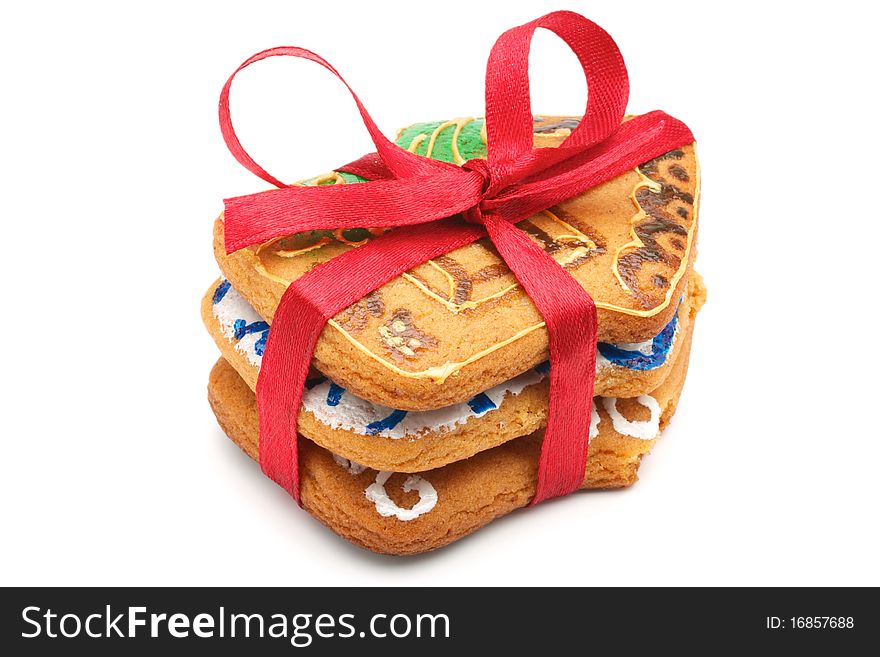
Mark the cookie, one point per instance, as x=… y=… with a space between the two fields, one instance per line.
x=460 y=324
x=405 y=514
x=391 y=439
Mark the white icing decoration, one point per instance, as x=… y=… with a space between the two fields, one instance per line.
x=350 y=466
x=646 y=347
x=594 y=422
x=354 y=414
x=386 y=507
x=641 y=429
x=231 y=307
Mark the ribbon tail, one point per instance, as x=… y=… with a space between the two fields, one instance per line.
x=276 y=213
x=570 y=316
x=303 y=312
x=295 y=330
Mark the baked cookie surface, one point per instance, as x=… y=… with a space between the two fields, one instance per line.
x=411 y=441
x=460 y=324
x=404 y=514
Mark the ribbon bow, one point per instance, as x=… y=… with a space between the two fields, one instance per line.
x=436 y=207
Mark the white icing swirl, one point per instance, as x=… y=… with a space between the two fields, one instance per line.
x=641 y=429
x=386 y=507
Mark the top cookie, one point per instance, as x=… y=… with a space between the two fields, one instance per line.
x=459 y=324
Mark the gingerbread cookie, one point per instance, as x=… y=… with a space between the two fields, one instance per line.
x=411 y=441
x=405 y=514
x=460 y=324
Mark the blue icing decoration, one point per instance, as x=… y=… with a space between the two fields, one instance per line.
x=260 y=345
x=220 y=292
x=636 y=360
x=481 y=404
x=242 y=329
x=388 y=422
x=543 y=368
x=334 y=394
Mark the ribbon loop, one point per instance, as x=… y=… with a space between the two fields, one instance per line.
x=400 y=162
x=509 y=127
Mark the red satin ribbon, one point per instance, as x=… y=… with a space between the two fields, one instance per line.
x=426 y=200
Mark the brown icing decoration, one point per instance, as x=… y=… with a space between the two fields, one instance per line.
x=661 y=242
x=354 y=318
x=402 y=337
x=461 y=283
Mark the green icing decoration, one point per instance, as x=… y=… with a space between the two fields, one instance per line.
x=470 y=142
x=470 y=145
x=351 y=178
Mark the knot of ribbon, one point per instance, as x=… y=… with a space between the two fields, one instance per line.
x=436 y=207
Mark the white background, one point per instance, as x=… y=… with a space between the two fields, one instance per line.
x=113 y=168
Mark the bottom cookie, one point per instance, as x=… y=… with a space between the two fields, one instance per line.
x=405 y=514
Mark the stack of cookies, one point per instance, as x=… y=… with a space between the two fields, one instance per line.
x=423 y=415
